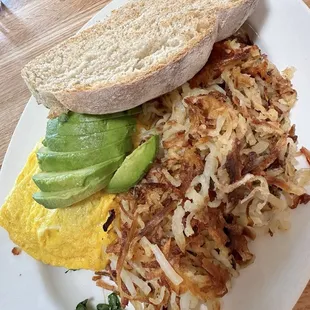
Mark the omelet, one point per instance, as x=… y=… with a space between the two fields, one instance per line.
x=71 y=237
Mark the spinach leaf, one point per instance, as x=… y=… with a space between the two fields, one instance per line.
x=114 y=302
x=82 y=305
x=103 y=307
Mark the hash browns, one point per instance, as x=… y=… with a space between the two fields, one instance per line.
x=225 y=172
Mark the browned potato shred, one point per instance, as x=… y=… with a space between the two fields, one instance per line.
x=224 y=173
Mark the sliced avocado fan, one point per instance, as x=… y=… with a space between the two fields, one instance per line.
x=66 y=198
x=72 y=117
x=50 y=161
x=55 y=126
x=81 y=154
x=58 y=143
x=134 y=166
x=66 y=180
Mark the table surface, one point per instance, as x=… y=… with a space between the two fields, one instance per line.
x=29 y=27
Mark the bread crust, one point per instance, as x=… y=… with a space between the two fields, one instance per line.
x=102 y=99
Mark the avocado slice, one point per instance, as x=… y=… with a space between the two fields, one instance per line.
x=66 y=198
x=72 y=117
x=66 y=180
x=59 y=143
x=134 y=166
x=55 y=126
x=50 y=161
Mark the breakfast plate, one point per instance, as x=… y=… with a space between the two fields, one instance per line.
x=281 y=269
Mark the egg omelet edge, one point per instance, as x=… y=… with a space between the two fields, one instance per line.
x=71 y=237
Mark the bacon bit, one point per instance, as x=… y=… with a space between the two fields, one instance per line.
x=16 y=250
x=306 y=153
x=109 y=221
x=95 y=278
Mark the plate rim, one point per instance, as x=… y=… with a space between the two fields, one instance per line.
x=31 y=105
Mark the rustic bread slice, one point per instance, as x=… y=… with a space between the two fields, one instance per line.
x=144 y=49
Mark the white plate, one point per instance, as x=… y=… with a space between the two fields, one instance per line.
x=282 y=266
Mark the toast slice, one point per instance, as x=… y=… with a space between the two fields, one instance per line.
x=143 y=50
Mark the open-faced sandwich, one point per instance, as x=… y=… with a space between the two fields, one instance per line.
x=160 y=199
